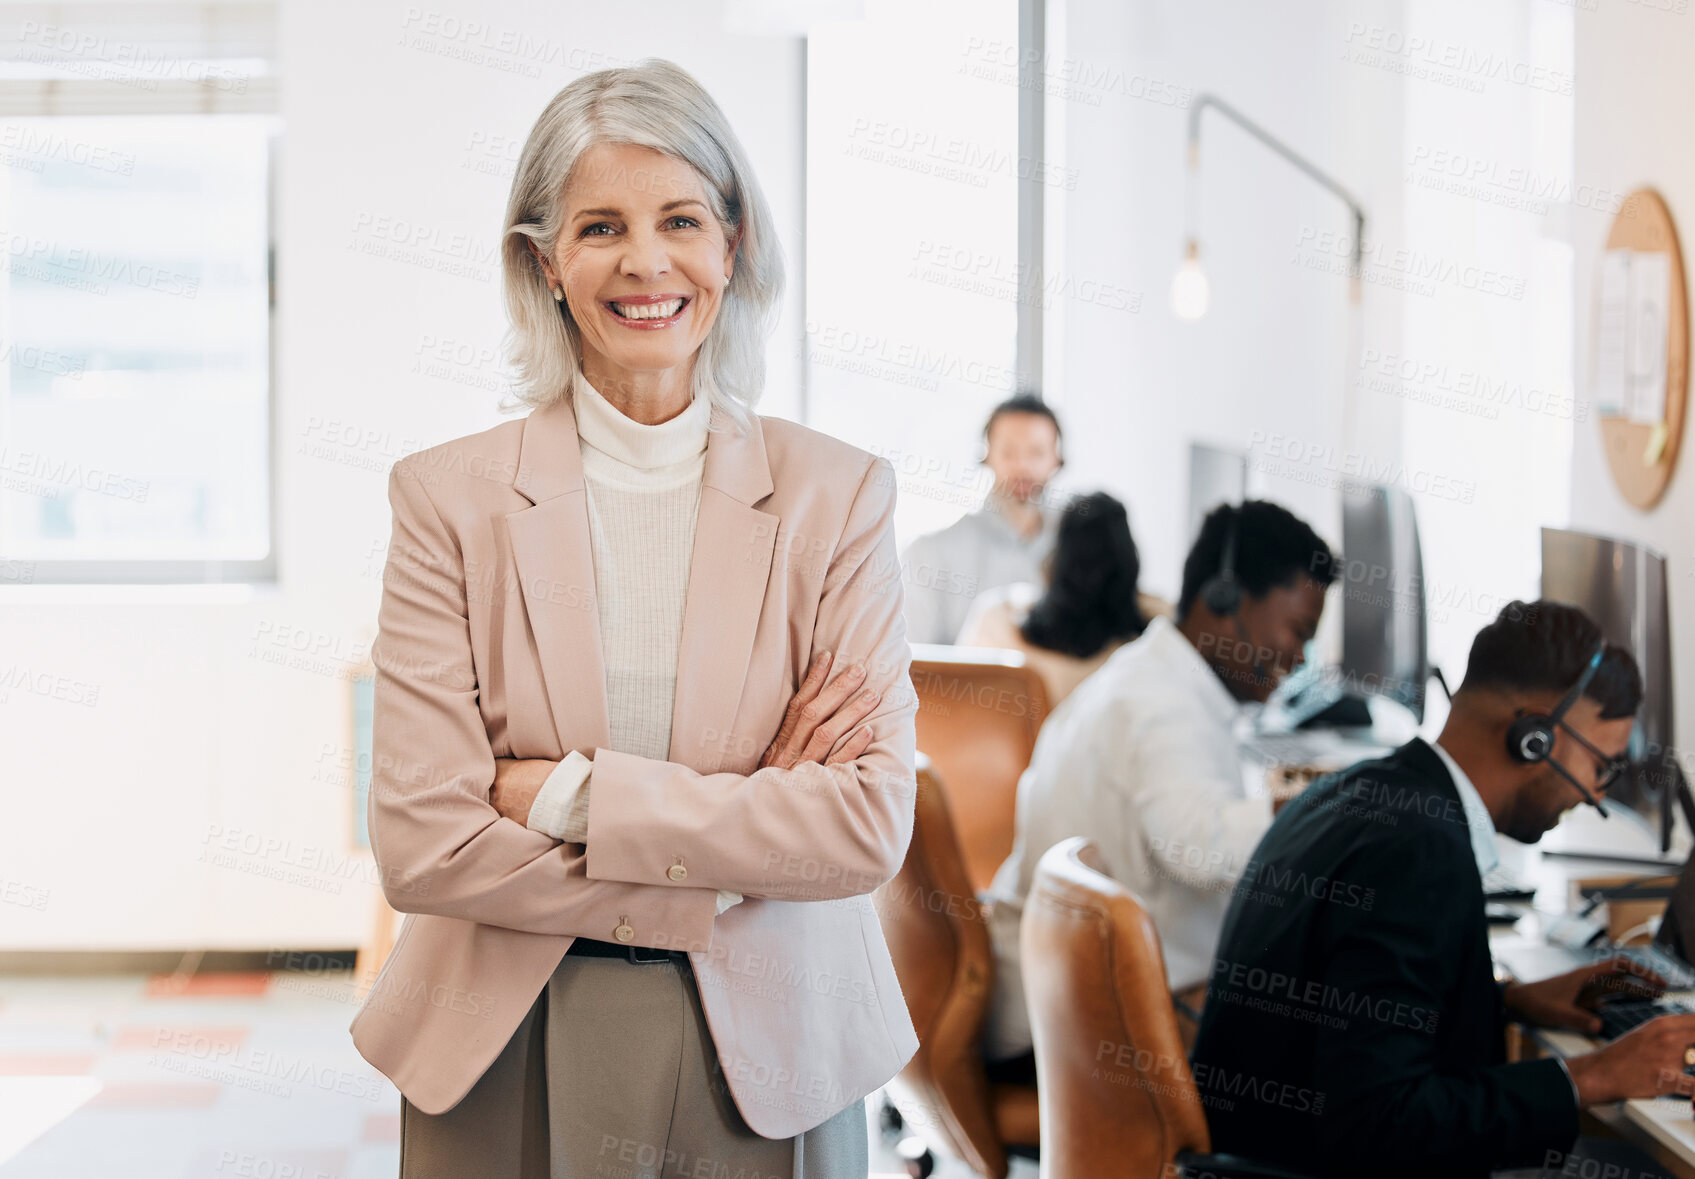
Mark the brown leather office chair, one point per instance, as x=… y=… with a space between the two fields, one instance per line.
x=1116 y=1097
x=979 y=709
x=939 y=940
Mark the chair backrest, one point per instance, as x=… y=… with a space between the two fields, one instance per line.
x=939 y=941
x=1116 y=1094
x=979 y=709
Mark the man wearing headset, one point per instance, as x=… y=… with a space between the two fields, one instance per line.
x=1143 y=758
x=1002 y=542
x=1353 y=1024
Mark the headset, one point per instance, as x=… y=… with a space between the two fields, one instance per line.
x=1530 y=738
x=1221 y=592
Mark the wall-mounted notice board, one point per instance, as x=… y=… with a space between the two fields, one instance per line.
x=1639 y=381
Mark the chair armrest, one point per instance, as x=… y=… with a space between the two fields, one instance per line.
x=1189 y=1165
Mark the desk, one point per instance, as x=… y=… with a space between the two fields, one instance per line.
x=1660 y=1127
x=1663 y=1129
x=1552 y=879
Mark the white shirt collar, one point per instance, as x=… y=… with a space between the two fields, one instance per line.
x=1162 y=634
x=1484 y=847
x=602 y=425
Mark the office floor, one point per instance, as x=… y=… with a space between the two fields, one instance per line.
x=221 y=1076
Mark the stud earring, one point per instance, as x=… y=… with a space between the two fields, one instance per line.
x=558 y=295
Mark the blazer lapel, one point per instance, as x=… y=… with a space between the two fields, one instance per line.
x=555 y=565
x=728 y=573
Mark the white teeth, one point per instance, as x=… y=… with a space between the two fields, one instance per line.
x=649 y=310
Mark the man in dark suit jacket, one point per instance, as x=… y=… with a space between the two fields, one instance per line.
x=1352 y=1023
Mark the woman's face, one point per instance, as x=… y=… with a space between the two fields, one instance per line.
x=642 y=261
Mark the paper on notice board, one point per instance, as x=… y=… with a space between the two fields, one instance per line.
x=1612 y=333
x=1650 y=312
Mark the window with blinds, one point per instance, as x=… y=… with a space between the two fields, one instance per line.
x=138 y=146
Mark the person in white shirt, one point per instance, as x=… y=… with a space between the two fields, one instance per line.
x=1004 y=541
x=1142 y=757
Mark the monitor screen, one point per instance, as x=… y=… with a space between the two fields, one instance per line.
x=1384 y=629
x=1622 y=586
x=1216 y=476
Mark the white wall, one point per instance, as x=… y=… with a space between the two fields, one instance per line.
x=1268 y=361
x=196 y=731
x=1472 y=290
x=1483 y=374
x=1634 y=89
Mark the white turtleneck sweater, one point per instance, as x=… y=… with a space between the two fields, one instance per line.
x=643 y=485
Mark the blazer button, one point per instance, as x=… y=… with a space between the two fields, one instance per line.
x=624 y=933
x=677 y=872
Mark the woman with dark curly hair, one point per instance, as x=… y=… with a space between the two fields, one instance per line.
x=1088 y=609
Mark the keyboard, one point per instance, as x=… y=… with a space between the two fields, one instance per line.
x=1679 y=975
x=1324 y=748
x=1620 y=1016
x=1502 y=885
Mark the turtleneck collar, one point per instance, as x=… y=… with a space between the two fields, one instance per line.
x=605 y=427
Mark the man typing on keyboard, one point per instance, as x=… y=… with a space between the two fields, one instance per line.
x=1353 y=1024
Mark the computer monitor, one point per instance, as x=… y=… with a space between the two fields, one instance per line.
x=1216 y=476
x=1677 y=926
x=1384 y=628
x=1622 y=586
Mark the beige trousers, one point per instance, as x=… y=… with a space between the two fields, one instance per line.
x=612 y=1075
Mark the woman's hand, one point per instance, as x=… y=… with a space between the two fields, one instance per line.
x=818 y=716
x=517 y=781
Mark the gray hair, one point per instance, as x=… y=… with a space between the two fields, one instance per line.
x=659 y=105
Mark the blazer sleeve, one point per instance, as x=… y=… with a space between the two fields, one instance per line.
x=1397 y=966
x=440 y=848
x=814 y=832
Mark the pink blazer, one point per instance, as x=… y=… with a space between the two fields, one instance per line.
x=488 y=646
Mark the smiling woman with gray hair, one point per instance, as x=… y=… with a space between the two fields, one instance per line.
x=644 y=726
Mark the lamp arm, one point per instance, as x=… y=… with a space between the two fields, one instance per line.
x=1203 y=102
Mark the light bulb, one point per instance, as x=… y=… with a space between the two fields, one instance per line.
x=1189 y=287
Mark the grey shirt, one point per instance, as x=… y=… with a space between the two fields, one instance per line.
x=944 y=571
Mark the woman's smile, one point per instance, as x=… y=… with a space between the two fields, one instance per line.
x=647 y=312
